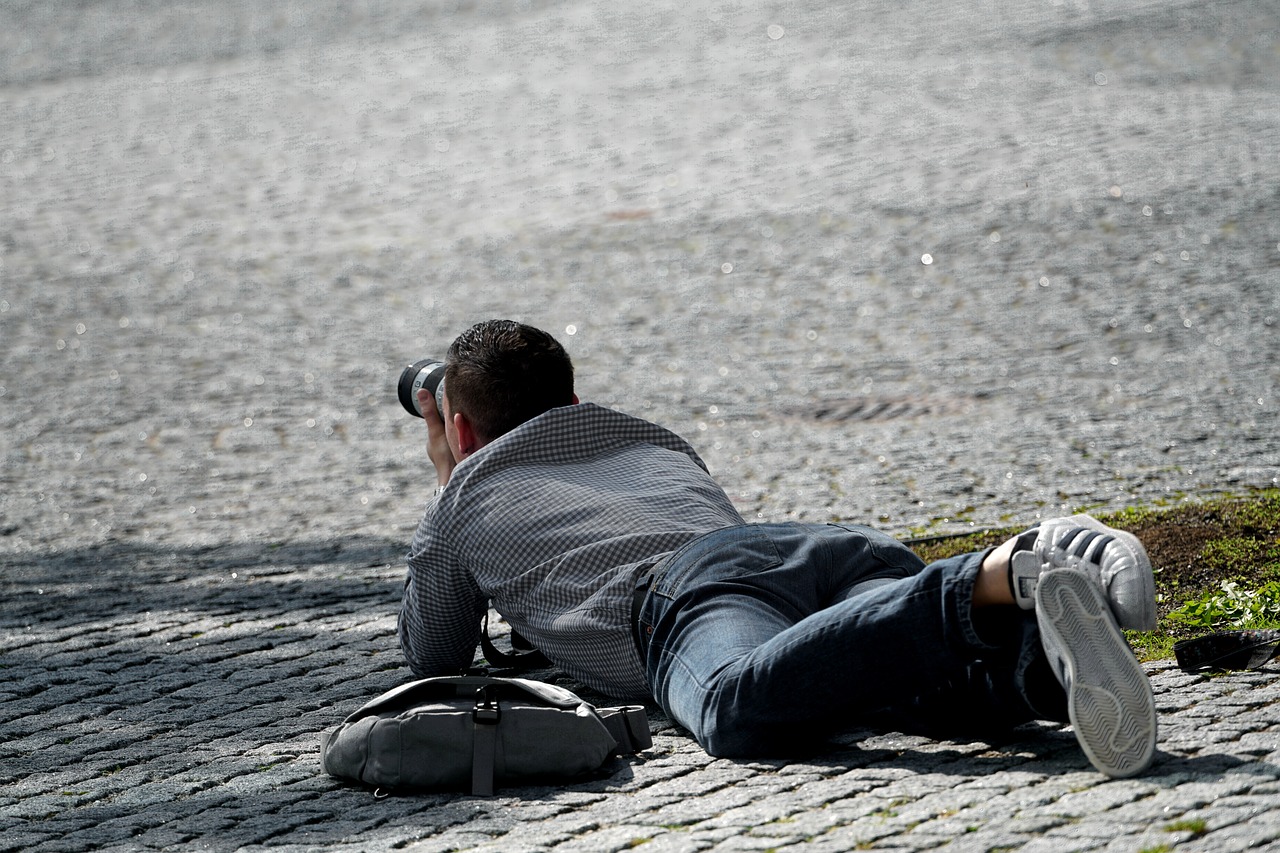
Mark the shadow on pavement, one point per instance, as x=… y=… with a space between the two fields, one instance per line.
x=71 y=588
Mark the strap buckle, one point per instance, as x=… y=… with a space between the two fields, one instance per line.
x=486 y=710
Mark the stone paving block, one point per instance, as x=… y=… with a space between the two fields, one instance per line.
x=12 y=840
x=619 y=837
x=162 y=838
x=1265 y=786
x=468 y=841
x=696 y=809
x=1199 y=794
x=980 y=840
x=793 y=824
x=1144 y=839
x=857 y=835
x=1259 y=742
x=1058 y=840
x=1102 y=797
x=845 y=786
x=763 y=810
x=59 y=845
x=260 y=828
x=751 y=844
x=677 y=842
x=639 y=807
x=1249 y=836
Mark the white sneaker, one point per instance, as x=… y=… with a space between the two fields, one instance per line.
x=1113 y=559
x=1109 y=699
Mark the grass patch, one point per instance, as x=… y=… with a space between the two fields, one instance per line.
x=1232 y=607
x=1216 y=563
x=1195 y=826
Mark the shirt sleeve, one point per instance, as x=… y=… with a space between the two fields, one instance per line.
x=442 y=607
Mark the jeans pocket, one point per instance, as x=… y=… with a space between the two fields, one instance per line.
x=899 y=560
x=723 y=554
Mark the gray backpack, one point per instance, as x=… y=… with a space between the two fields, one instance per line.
x=470 y=731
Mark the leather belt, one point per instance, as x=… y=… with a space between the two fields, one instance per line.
x=638 y=632
x=644 y=583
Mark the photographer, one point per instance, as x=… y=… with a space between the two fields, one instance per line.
x=603 y=539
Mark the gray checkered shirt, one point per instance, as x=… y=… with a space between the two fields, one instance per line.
x=555 y=522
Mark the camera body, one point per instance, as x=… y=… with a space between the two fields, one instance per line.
x=428 y=374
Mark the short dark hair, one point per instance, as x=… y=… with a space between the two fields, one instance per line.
x=501 y=373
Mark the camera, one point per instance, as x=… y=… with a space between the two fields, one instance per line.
x=428 y=374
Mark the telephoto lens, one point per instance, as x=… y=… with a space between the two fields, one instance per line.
x=429 y=374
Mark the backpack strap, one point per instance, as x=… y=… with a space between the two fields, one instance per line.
x=629 y=726
x=517 y=659
x=484 y=741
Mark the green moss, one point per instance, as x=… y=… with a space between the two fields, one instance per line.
x=1151 y=645
x=1233 y=540
x=1196 y=826
x=1244 y=558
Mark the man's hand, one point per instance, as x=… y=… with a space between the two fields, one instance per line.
x=437 y=440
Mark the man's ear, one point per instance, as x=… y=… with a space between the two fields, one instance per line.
x=575 y=399
x=468 y=441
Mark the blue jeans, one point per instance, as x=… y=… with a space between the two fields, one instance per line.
x=759 y=638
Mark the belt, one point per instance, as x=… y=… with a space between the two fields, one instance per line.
x=644 y=583
x=638 y=633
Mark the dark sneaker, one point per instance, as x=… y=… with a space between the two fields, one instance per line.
x=1109 y=699
x=1113 y=559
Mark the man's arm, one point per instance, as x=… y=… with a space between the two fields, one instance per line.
x=442 y=608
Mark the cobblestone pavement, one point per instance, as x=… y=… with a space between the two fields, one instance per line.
x=925 y=265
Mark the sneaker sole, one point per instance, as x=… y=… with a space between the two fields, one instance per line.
x=1145 y=619
x=1109 y=699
